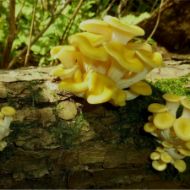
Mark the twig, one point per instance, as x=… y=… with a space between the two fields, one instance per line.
x=108 y=8
x=11 y=35
x=120 y=6
x=69 y=25
x=53 y=18
x=157 y=21
x=20 y=11
x=30 y=35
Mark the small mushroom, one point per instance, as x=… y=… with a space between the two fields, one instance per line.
x=180 y=165
x=159 y=165
x=155 y=156
x=165 y=157
x=157 y=108
x=141 y=88
x=182 y=128
x=163 y=120
x=149 y=127
x=98 y=27
x=185 y=102
x=172 y=102
x=8 y=111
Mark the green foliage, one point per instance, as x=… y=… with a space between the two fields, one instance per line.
x=46 y=11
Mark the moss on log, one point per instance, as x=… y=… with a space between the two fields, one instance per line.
x=100 y=146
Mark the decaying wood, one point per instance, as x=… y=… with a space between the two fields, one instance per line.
x=101 y=147
x=173 y=31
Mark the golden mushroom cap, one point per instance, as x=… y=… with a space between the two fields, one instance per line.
x=182 y=128
x=159 y=165
x=57 y=50
x=165 y=157
x=94 y=39
x=96 y=26
x=184 y=152
x=185 y=103
x=141 y=88
x=155 y=156
x=85 y=47
x=149 y=127
x=172 y=97
x=60 y=71
x=163 y=120
x=157 y=108
x=151 y=59
x=139 y=46
x=124 y=27
x=123 y=56
x=187 y=144
x=8 y=111
x=180 y=165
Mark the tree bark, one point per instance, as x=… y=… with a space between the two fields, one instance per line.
x=99 y=146
x=173 y=31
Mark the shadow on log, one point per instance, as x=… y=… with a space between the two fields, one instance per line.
x=100 y=146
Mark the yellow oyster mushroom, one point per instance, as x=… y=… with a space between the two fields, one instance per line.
x=62 y=72
x=163 y=120
x=150 y=59
x=102 y=97
x=8 y=111
x=172 y=102
x=165 y=157
x=67 y=54
x=72 y=86
x=149 y=127
x=182 y=128
x=119 y=98
x=157 y=108
x=139 y=46
x=96 y=53
x=101 y=88
x=180 y=165
x=159 y=165
x=184 y=152
x=122 y=32
x=93 y=39
x=97 y=27
x=123 y=56
x=155 y=156
x=185 y=103
x=172 y=97
x=141 y=88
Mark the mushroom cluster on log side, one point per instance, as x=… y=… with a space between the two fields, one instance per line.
x=172 y=131
x=106 y=62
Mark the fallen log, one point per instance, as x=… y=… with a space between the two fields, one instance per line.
x=79 y=145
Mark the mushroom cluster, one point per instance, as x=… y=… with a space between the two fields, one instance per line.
x=170 y=124
x=106 y=62
x=6 y=117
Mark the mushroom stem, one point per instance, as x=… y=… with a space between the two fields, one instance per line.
x=172 y=107
x=185 y=113
x=125 y=83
